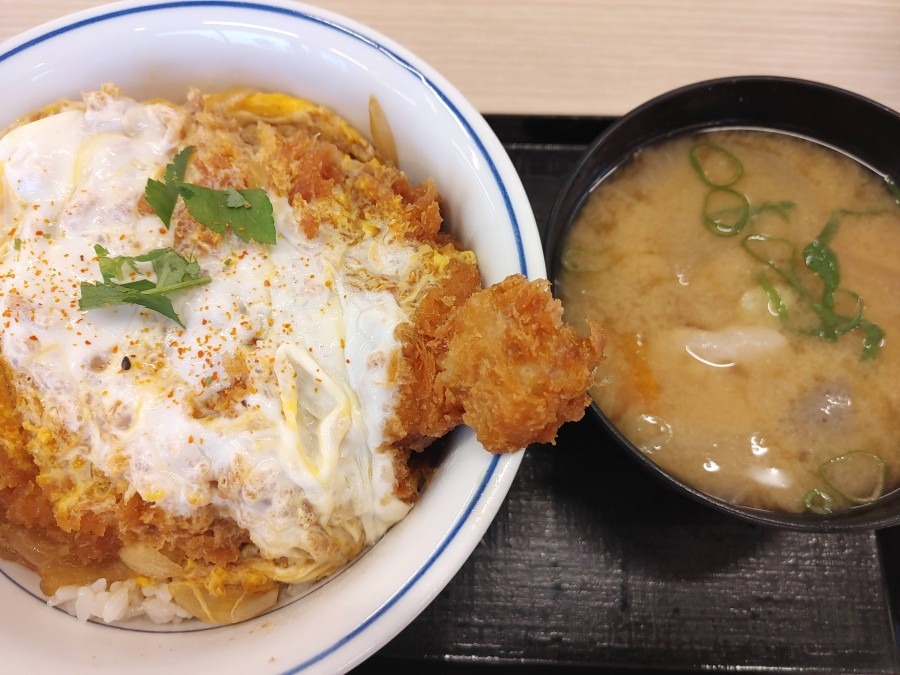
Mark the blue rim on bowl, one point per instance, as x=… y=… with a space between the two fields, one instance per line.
x=845 y=121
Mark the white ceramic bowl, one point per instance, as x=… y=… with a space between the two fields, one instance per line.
x=160 y=50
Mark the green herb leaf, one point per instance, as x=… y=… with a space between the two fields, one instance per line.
x=247 y=212
x=163 y=196
x=172 y=270
x=211 y=208
x=97 y=296
x=173 y=273
x=142 y=285
x=111 y=267
x=235 y=199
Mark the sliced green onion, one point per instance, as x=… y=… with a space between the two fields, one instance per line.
x=820 y=259
x=775 y=301
x=577 y=259
x=818 y=501
x=779 y=254
x=874 y=339
x=832 y=312
x=820 y=312
x=841 y=322
x=782 y=208
x=893 y=188
x=715 y=155
x=857 y=476
x=725 y=211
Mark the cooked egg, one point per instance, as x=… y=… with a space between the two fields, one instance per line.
x=269 y=404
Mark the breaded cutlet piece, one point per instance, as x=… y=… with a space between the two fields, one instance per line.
x=500 y=360
x=514 y=368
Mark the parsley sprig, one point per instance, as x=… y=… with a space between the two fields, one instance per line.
x=173 y=273
x=248 y=213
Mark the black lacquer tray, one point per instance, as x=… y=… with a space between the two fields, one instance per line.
x=592 y=565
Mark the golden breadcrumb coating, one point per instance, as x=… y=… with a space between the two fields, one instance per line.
x=514 y=368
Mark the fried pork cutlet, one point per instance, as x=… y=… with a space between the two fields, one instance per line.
x=500 y=360
x=514 y=368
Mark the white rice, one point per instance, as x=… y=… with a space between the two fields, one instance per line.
x=121 y=601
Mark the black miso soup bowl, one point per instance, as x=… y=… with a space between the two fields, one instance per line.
x=852 y=124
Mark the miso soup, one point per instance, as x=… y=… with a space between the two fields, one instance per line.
x=748 y=282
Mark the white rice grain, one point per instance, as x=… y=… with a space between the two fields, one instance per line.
x=117 y=604
x=120 y=601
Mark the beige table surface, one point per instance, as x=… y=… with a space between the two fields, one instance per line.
x=604 y=57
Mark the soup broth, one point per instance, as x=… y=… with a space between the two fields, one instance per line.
x=748 y=284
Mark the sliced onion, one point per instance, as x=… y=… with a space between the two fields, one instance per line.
x=231 y=607
x=29 y=547
x=382 y=136
x=253 y=604
x=60 y=573
x=147 y=561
